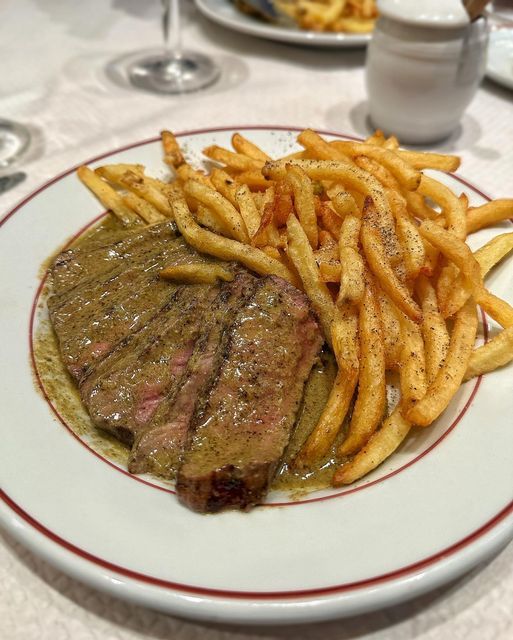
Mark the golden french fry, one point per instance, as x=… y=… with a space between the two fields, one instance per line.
x=114 y=172
x=226 y=212
x=186 y=172
x=344 y=332
x=377 y=259
x=344 y=204
x=371 y=399
x=145 y=188
x=492 y=355
x=393 y=143
x=330 y=220
x=354 y=25
x=498 y=309
x=413 y=363
x=418 y=207
x=225 y=184
x=248 y=148
x=352 y=272
x=380 y=446
x=319 y=148
x=236 y=161
x=224 y=248
x=196 y=273
x=488 y=214
x=109 y=198
x=454 y=250
x=487 y=257
x=300 y=253
x=144 y=210
x=378 y=171
x=209 y=219
x=391 y=330
x=414 y=253
x=450 y=375
x=408 y=177
x=377 y=138
x=254 y=180
x=172 y=153
x=248 y=209
x=427 y=160
x=452 y=207
x=434 y=330
x=304 y=202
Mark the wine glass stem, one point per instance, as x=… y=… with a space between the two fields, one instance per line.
x=171 y=27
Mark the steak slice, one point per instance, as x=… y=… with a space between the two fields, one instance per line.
x=95 y=256
x=159 y=448
x=240 y=434
x=125 y=389
x=93 y=317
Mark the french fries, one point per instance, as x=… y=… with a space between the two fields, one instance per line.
x=196 y=273
x=354 y=226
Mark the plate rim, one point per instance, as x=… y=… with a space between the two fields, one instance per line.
x=481 y=535
x=283 y=34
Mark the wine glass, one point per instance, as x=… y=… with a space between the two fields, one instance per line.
x=14 y=140
x=173 y=70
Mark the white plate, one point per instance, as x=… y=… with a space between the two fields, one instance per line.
x=435 y=509
x=500 y=57
x=226 y=14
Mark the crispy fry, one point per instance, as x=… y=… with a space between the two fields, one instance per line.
x=225 y=184
x=330 y=220
x=378 y=171
x=371 y=399
x=197 y=273
x=248 y=148
x=186 y=172
x=300 y=253
x=144 y=210
x=414 y=253
x=393 y=143
x=224 y=248
x=108 y=196
x=498 y=309
x=380 y=446
x=380 y=266
x=344 y=204
x=143 y=187
x=207 y=218
x=226 y=212
x=236 y=161
x=434 y=330
x=391 y=330
x=413 y=363
x=427 y=160
x=172 y=153
x=487 y=257
x=344 y=333
x=452 y=207
x=304 y=202
x=418 y=207
x=450 y=375
x=488 y=214
x=114 y=172
x=492 y=355
x=352 y=273
x=408 y=177
x=319 y=148
x=248 y=209
x=254 y=180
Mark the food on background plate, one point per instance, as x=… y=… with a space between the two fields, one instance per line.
x=192 y=338
x=342 y=16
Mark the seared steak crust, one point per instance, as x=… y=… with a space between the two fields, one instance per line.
x=239 y=437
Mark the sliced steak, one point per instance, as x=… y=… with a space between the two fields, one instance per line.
x=92 y=318
x=158 y=449
x=124 y=391
x=241 y=432
x=99 y=254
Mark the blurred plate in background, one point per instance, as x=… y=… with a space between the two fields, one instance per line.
x=226 y=14
x=500 y=57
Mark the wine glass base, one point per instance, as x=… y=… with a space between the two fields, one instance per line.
x=14 y=140
x=161 y=73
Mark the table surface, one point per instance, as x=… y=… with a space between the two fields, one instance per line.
x=59 y=73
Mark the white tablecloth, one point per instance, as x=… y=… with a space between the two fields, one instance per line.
x=53 y=78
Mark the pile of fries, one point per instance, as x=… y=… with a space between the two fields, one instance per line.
x=346 y=16
x=378 y=246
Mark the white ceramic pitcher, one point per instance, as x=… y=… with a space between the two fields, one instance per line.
x=424 y=64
